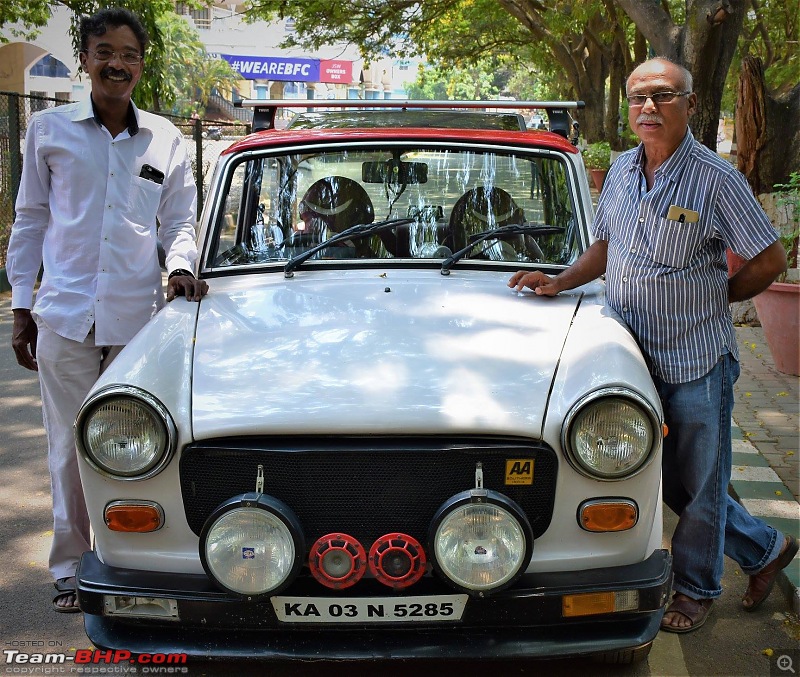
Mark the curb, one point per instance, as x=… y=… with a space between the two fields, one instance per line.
x=759 y=489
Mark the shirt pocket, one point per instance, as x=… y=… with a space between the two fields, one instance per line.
x=143 y=201
x=675 y=243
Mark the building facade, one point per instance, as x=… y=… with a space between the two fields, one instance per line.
x=47 y=65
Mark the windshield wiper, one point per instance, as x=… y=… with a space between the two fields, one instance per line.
x=359 y=230
x=495 y=233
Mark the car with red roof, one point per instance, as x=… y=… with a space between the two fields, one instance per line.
x=362 y=444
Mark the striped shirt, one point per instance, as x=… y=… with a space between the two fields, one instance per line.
x=668 y=278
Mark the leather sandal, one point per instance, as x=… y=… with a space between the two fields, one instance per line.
x=696 y=610
x=761 y=584
x=64 y=589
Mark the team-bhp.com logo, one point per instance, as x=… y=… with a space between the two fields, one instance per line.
x=86 y=658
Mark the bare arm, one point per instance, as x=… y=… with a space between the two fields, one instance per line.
x=757 y=273
x=590 y=266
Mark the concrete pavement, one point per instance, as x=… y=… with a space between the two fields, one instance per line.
x=766 y=447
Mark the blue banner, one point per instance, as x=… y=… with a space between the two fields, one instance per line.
x=273 y=67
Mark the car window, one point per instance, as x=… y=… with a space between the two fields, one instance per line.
x=278 y=206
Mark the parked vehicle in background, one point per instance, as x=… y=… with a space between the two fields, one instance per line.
x=362 y=443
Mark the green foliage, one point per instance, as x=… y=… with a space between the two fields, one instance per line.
x=190 y=74
x=597 y=155
x=789 y=199
x=482 y=81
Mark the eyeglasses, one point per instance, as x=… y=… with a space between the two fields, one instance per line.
x=656 y=97
x=130 y=58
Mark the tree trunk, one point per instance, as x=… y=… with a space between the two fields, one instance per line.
x=591 y=118
x=767 y=130
x=616 y=85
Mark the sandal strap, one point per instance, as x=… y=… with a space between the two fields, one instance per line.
x=693 y=609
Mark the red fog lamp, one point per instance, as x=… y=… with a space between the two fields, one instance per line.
x=337 y=561
x=397 y=560
x=480 y=541
x=252 y=545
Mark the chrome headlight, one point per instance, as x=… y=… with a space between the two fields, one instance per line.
x=481 y=541
x=610 y=434
x=252 y=545
x=126 y=433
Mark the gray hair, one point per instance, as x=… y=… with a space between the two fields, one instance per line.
x=686 y=76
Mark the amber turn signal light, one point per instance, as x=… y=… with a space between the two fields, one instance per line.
x=601 y=515
x=592 y=603
x=134 y=517
x=587 y=604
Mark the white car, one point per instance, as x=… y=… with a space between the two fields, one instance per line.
x=362 y=428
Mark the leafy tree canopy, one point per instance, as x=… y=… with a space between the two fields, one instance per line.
x=190 y=74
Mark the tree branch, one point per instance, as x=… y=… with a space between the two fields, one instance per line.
x=655 y=24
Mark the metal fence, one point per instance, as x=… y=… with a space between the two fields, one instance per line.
x=207 y=139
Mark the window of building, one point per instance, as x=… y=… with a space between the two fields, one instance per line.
x=201 y=17
x=50 y=67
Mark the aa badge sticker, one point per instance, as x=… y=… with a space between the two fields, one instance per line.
x=519 y=471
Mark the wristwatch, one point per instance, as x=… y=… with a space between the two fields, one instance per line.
x=180 y=271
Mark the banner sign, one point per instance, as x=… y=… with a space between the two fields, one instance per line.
x=336 y=71
x=273 y=67
x=288 y=69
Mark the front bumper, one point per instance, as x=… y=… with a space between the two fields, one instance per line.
x=521 y=622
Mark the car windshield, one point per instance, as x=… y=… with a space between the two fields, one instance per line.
x=278 y=206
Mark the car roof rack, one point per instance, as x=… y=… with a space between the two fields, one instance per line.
x=265 y=110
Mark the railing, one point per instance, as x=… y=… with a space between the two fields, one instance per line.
x=241 y=114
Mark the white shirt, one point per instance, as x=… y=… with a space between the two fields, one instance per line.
x=86 y=214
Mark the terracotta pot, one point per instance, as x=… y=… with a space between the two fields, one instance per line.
x=778 y=309
x=598 y=176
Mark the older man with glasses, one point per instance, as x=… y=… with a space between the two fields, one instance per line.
x=667 y=212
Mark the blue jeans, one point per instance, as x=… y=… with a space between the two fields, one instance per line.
x=696 y=472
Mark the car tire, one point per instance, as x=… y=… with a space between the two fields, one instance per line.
x=624 y=656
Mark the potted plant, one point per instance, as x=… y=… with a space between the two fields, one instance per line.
x=778 y=306
x=597 y=158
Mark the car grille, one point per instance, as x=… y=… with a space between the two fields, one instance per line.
x=365 y=487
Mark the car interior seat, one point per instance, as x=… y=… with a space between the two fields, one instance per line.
x=478 y=210
x=329 y=206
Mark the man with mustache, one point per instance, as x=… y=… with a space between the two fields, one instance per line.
x=667 y=211
x=97 y=177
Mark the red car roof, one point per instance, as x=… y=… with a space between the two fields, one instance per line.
x=274 y=137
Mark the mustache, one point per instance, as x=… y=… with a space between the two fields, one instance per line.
x=108 y=71
x=649 y=117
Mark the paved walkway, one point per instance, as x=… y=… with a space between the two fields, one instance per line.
x=766 y=447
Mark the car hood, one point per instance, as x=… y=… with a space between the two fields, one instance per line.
x=375 y=352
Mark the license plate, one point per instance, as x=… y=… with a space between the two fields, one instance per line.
x=428 y=609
